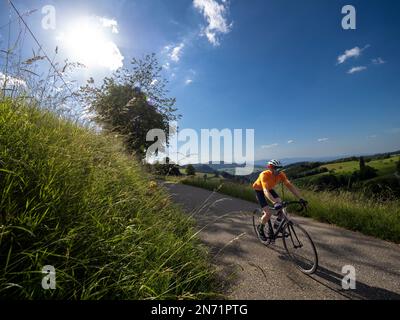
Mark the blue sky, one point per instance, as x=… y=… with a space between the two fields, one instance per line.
x=268 y=65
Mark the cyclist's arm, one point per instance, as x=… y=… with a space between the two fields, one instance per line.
x=293 y=189
x=290 y=186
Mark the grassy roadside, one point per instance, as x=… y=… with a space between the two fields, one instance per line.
x=345 y=209
x=72 y=199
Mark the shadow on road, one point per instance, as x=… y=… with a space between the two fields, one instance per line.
x=333 y=281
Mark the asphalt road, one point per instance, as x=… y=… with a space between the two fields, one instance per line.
x=254 y=271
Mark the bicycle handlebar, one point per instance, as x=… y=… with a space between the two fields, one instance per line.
x=287 y=203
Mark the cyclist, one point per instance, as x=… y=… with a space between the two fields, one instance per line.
x=264 y=188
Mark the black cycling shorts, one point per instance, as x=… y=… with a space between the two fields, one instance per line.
x=262 y=200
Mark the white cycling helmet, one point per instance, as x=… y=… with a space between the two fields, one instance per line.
x=276 y=164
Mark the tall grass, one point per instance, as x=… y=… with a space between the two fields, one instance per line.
x=346 y=209
x=71 y=198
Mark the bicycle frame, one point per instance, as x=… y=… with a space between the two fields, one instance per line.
x=285 y=220
x=283 y=224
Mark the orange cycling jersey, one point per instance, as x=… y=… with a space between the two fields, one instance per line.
x=267 y=180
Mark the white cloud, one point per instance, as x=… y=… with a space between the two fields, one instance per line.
x=323 y=139
x=269 y=146
x=356 y=69
x=372 y=136
x=215 y=14
x=109 y=23
x=352 y=53
x=190 y=77
x=176 y=52
x=166 y=66
x=290 y=141
x=355 y=52
x=378 y=61
x=11 y=81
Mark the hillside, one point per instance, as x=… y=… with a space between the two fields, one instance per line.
x=384 y=166
x=72 y=199
x=344 y=175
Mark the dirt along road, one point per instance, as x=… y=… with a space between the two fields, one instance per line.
x=254 y=271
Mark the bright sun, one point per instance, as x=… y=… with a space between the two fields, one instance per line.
x=86 y=40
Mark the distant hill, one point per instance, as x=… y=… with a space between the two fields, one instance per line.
x=291 y=164
x=204 y=168
x=289 y=161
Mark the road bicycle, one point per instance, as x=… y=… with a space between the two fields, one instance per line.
x=297 y=242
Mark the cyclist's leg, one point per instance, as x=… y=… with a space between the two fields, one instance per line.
x=265 y=217
x=264 y=206
x=279 y=214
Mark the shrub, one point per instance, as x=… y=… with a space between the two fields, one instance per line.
x=190 y=170
x=387 y=187
x=166 y=169
x=365 y=173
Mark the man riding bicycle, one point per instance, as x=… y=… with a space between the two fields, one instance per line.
x=264 y=188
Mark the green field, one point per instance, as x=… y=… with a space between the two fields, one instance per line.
x=385 y=183
x=201 y=174
x=307 y=179
x=72 y=198
x=384 y=166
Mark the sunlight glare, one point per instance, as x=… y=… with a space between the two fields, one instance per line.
x=85 y=40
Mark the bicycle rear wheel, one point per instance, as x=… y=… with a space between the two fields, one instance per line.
x=300 y=247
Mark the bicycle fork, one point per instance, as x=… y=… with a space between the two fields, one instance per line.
x=291 y=233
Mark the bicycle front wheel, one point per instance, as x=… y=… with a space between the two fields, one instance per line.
x=300 y=247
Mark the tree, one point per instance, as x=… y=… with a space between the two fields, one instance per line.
x=132 y=102
x=362 y=164
x=366 y=172
x=190 y=170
